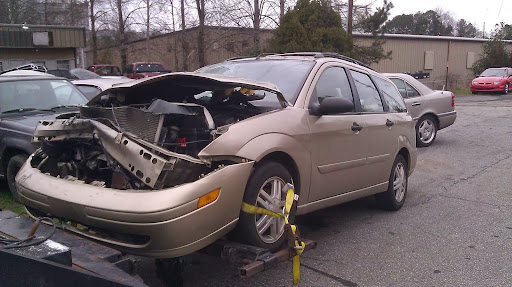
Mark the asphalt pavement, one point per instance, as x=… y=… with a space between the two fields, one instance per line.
x=455 y=228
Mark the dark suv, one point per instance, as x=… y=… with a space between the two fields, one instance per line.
x=24 y=101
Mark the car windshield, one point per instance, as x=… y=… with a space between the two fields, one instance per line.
x=29 y=95
x=494 y=73
x=288 y=75
x=149 y=68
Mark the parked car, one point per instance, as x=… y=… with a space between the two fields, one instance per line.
x=91 y=88
x=493 y=80
x=74 y=74
x=431 y=110
x=160 y=166
x=24 y=101
x=141 y=70
x=105 y=70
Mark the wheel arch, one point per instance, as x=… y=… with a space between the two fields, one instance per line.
x=7 y=154
x=286 y=150
x=407 y=156
x=288 y=162
x=429 y=114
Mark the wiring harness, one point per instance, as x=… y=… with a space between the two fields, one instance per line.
x=31 y=240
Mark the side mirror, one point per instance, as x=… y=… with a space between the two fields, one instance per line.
x=332 y=106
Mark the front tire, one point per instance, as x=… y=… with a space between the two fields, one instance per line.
x=426 y=131
x=506 y=89
x=394 y=197
x=264 y=189
x=13 y=167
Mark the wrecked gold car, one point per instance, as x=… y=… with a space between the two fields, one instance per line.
x=161 y=166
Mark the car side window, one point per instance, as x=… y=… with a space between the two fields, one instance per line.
x=333 y=83
x=401 y=87
x=391 y=96
x=509 y=72
x=411 y=92
x=368 y=94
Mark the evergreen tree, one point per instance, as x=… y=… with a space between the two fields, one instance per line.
x=313 y=25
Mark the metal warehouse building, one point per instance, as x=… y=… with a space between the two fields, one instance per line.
x=56 y=47
x=447 y=60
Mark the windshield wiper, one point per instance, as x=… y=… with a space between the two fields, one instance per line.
x=20 y=110
x=65 y=106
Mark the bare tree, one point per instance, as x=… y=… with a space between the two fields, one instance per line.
x=121 y=33
x=200 y=35
x=95 y=15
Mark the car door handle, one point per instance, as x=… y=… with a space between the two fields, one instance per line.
x=416 y=104
x=389 y=123
x=356 y=127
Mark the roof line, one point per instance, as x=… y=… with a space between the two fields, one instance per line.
x=429 y=37
x=40 y=26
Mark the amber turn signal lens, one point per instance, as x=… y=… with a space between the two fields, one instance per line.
x=208 y=198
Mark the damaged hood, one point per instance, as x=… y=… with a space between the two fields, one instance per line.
x=197 y=80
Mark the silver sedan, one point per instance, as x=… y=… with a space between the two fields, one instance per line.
x=431 y=110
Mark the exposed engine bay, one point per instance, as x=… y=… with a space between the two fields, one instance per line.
x=125 y=139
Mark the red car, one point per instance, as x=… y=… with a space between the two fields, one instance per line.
x=105 y=70
x=493 y=80
x=141 y=70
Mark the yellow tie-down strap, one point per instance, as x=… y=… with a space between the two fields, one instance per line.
x=298 y=245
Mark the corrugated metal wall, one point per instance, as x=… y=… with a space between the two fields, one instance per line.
x=13 y=36
x=408 y=55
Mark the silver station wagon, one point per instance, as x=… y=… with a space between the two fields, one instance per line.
x=160 y=166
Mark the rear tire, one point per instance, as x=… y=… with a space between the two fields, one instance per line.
x=264 y=189
x=426 y=131
x=394 y=197
x=13 y=167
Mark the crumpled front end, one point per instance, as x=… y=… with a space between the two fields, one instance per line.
x=122 y=176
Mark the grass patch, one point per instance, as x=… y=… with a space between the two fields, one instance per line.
x=8 y=203
x=462 y=92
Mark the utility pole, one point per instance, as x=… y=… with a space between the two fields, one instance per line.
x=147 y=31
x=350 y=9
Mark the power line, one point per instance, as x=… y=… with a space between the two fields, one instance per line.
x=499 y=12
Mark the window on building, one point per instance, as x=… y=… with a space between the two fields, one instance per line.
x=230 y=47
x=62 y=64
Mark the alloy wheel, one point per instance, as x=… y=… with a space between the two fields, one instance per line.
x=399 y=182
x=271 y=197
x=426 y=131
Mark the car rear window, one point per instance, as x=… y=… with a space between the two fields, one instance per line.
x=89 y=91
x=149 y=68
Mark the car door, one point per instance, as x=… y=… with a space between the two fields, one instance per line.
x=338 y=142
x=382 y=138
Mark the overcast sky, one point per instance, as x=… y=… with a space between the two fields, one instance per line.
x=474 y=11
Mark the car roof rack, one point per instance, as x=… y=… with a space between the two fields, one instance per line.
x=28 y=67
x=318 y=55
